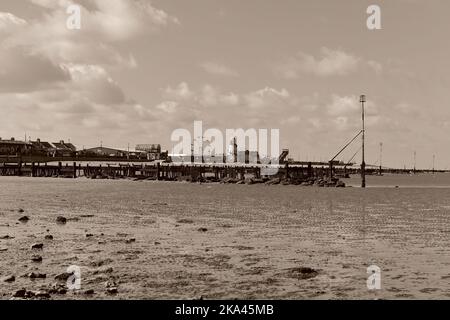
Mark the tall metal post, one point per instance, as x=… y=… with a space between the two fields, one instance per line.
x=434 y=156
x=381 y=158
x=363 y=163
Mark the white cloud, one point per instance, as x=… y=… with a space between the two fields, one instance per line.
x=8 y=20
x=330 y=63
x=267 y=97
x=218 y=69
x=180 y=92
x=54 y=80
x=168 y=106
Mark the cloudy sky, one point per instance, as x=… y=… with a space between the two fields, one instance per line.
x=137 y=70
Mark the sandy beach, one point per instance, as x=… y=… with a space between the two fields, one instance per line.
x=168 y=240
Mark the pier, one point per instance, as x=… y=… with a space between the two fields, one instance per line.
x=193 y=172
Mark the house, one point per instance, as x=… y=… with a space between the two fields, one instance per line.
x=64 y=149
x=14 y=147
x=42 y=148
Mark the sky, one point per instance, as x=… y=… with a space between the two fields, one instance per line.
x=138 y=69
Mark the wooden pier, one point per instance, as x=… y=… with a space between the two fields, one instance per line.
x=164 y=171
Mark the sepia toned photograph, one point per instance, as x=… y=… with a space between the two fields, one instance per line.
x=224 y=150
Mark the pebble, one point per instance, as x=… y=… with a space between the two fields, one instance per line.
x=24 y=219
x=202 y=229
x=57 y=288
x=42 y=294
x=21 y=210
x=36 y=258
x=61 y=220
x=63 y=276
x=20 y=293
x=37 y=246
x=89 y=235
x=110 y=284
x=9 y=279
x=111 y=290
x=89 y=291
x=33 y=275
x=49 y=237
x=6 y=237
x=130 y=240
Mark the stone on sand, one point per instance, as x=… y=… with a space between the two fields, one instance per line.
x=37 y=246
x=61 y=220
x=63 y=276
x=10 y=278
x=36 y=258
x=24 y=219
x=33 y=275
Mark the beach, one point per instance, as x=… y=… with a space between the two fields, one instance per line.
x=174 y=240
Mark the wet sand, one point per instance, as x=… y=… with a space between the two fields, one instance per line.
x=224 y=241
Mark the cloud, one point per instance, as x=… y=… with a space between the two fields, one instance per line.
x=330 y=63
x=8 y=20
x=266 y=97
x=218 y=69
x=22 y=71
x=180 y=92
x=55 y=80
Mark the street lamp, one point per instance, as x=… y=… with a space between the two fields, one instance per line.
x=362 y=99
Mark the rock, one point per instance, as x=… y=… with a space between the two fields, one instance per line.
x=63 y=276
x=202 y=229
x=61 y=220
x=130 y=240
x=110 y=284
x=157 y=243
x=48 y=237
x=24 y=219
x=104 y=270
x=36 y=258
x=303 y=273
x=42 y=294
x=340 y=184
x=9 y=279
x=7 y=237
x=62 y=291
x=188 y=221
x=20 y=293
x=89 y=292
x=112 y=290
x=89 y=235
x=37 y=246
x=21 y=210
x=33 y=275
x=58 y=288
x=3 y=249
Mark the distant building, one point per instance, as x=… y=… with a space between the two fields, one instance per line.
x=103 y=152
x=14 y=147
x=64 y=149
x=42 y=148
x=151 y=152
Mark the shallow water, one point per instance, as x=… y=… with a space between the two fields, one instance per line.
x=255 y=238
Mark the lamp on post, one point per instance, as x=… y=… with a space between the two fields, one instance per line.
x=362 y=99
